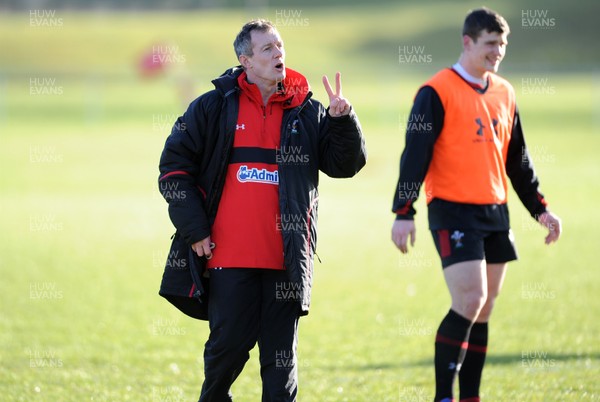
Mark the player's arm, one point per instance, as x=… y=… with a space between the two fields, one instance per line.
x=179 y=168
x=423 y=128
x=520 y=170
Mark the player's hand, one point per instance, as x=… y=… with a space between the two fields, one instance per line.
x=203 y=248
x=554 y=225
x=401 y=231
x=338 y=105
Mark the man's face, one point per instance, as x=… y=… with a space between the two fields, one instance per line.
x=485 y=54
x=267 y=61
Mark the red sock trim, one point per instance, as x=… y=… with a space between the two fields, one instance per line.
x=442 y=339
x=477 y=349
x=473 y=399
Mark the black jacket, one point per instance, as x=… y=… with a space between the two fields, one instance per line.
x=195 y=159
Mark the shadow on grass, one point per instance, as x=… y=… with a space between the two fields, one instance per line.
x=518 y=359
x=507 y=359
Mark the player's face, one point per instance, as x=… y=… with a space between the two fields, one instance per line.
x=267 y=63
x=486 y=53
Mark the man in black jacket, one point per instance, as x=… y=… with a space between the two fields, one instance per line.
x=245 y=160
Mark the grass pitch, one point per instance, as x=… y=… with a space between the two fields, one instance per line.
x=85 y=232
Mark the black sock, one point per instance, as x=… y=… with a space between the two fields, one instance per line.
x=450 y=349
x=469 y=377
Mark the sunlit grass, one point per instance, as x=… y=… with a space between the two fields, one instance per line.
x=85 y=232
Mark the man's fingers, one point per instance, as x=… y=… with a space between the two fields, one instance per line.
x=400 y=241
x=554 y=226
x=403 y=248
x=207 y=251
x=208 y=246
x=343 y=107
x=328 y=88
x=339 y=107
x=401 y=231
x=204 y=248
x=553 y=234
x=338 y=84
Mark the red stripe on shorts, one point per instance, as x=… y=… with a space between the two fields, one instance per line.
x=444 y=240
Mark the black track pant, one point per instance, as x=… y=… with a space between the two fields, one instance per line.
x=248 y=306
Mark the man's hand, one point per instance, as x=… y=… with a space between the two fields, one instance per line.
x=554 y=225
x=203 y=248
x=401 y=230
x=338 y=105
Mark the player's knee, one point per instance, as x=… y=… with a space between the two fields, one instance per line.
x=472 y=303
x=486 y=310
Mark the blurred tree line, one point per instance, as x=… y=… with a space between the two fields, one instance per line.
x=164 y=4
x=117 y=4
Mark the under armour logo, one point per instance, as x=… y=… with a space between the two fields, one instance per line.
x=240 y=126
x=481 y=126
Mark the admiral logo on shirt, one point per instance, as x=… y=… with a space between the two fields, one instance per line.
x=255 y=175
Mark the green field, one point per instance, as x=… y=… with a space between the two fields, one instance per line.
x=85 y=232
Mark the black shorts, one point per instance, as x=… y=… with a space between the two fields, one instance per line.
x=456 y=246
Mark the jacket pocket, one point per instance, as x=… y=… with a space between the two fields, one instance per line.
x=183 y=283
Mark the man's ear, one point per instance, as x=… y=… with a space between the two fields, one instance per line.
x=245 y=61
x=467 y=41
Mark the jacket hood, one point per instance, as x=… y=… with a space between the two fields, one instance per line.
x=227 y=82
x=295 y=86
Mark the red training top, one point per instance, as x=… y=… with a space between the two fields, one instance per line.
x=246 y=231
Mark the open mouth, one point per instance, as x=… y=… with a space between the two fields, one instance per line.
x=279 y=66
